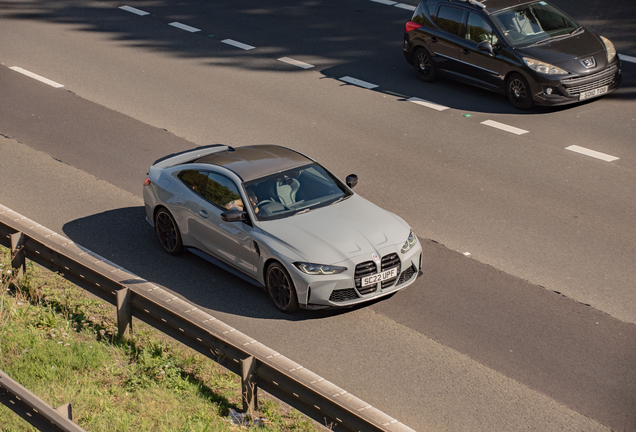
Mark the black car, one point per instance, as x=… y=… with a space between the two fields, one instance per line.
x=528 y=50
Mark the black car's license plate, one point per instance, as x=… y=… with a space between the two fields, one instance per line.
x=379 y=277
x=593 y=93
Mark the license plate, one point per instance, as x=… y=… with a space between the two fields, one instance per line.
x=593 y=93
x=379 y=277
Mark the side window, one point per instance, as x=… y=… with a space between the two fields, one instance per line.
x=478 y=30
x=449 y=19
x=196 y=180
x=223 y=192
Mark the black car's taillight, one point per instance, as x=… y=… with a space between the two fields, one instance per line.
x=411 y=25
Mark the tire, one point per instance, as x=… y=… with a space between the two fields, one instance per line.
x=168 y=232
x=424 y=65
x=281 y=289
x=519 y=93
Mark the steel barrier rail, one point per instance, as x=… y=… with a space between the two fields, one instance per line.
x=258 y=365
x=33 y=409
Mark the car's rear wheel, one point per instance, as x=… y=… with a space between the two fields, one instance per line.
x=280 y=288
x=424 y=65
x=519 y=93
x=168 y=232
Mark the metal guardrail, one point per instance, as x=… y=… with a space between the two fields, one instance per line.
x=34 y=410
x=258 y=365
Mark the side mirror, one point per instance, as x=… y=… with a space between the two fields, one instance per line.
x=486 y=47
x=352 y=180
x=234 y=216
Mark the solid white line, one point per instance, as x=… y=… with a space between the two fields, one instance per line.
x=184 y=27
x=627 y=58
x=405 y=6
x=238 y=44
x=358 y=82
x=592 y=153
x=134 y=10
x=37 y=77
x=386 y=2
x=427 y=104
x=297 y=63
x=504 y=127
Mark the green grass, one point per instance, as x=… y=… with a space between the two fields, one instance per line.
x=62 y=345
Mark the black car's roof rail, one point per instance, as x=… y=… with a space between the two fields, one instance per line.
x=474 y=3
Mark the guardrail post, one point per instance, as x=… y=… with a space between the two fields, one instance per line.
x=66 y=410
x=18 y=254
x=248 y=384
x=124 y=315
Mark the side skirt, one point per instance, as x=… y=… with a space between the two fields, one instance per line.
x=225 y=267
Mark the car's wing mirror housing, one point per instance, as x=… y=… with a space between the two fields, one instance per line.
x=352 y=180
x=486 y=47
x=234 y=216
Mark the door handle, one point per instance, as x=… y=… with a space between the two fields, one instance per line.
x=434 y=39
x=465 y=51
x=203 y=213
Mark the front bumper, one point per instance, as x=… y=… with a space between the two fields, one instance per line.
x=341 y=290
x=569 y=90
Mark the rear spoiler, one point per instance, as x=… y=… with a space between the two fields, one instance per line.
x=189 y=155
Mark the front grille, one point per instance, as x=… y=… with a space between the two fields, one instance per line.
x=406 y=275
x=343 y=295
x=366 y=268
x=574 y=86
x=388 y=262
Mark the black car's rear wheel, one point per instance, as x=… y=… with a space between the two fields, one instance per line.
x=519 y=93
x=281 y=288
x=168 y=232
x=424 y=65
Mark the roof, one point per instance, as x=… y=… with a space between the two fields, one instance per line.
x=253 y=162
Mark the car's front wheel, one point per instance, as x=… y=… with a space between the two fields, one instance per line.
x=168 y=232
x=519 y=93
x=424 y=65
x=280 y=288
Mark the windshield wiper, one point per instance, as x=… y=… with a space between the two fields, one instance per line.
x=342 y=198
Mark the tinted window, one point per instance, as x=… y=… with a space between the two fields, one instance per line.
x=222 y=191
x=478 y=30
x=449 y=19
x=196 y=180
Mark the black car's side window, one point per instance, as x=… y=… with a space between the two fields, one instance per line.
x=478 y=30
x=222 y=191
x=196 y=180
x=450 y=19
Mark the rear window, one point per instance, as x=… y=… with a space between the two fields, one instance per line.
x=449 y=19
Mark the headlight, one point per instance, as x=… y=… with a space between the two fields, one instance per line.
x=609 y=46
x=545 y=68
x=409 y=243
x=318 y=269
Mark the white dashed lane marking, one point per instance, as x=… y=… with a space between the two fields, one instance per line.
x=627 y=58
x=504 y=127
x=296 y=63
x=357 y=82
x=237 y=44
x=37 y=77
x=134 y=10
x=405 y=6
x=184 y=27
x=592 y=153
x=427 y=104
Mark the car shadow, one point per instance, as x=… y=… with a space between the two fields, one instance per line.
x=124 y=237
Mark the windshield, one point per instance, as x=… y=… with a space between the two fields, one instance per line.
x=533 y=23
x=294 y=191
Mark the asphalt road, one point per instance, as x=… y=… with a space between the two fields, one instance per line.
x=473 y=346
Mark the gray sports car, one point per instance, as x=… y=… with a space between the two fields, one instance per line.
x=281 y=221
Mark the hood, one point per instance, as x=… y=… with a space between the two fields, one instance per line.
x=567 y=53
x=333 y=234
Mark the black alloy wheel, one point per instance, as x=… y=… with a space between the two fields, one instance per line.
x=518 y=92
x=425 y=67
x=281 y=288
x=168 y=232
